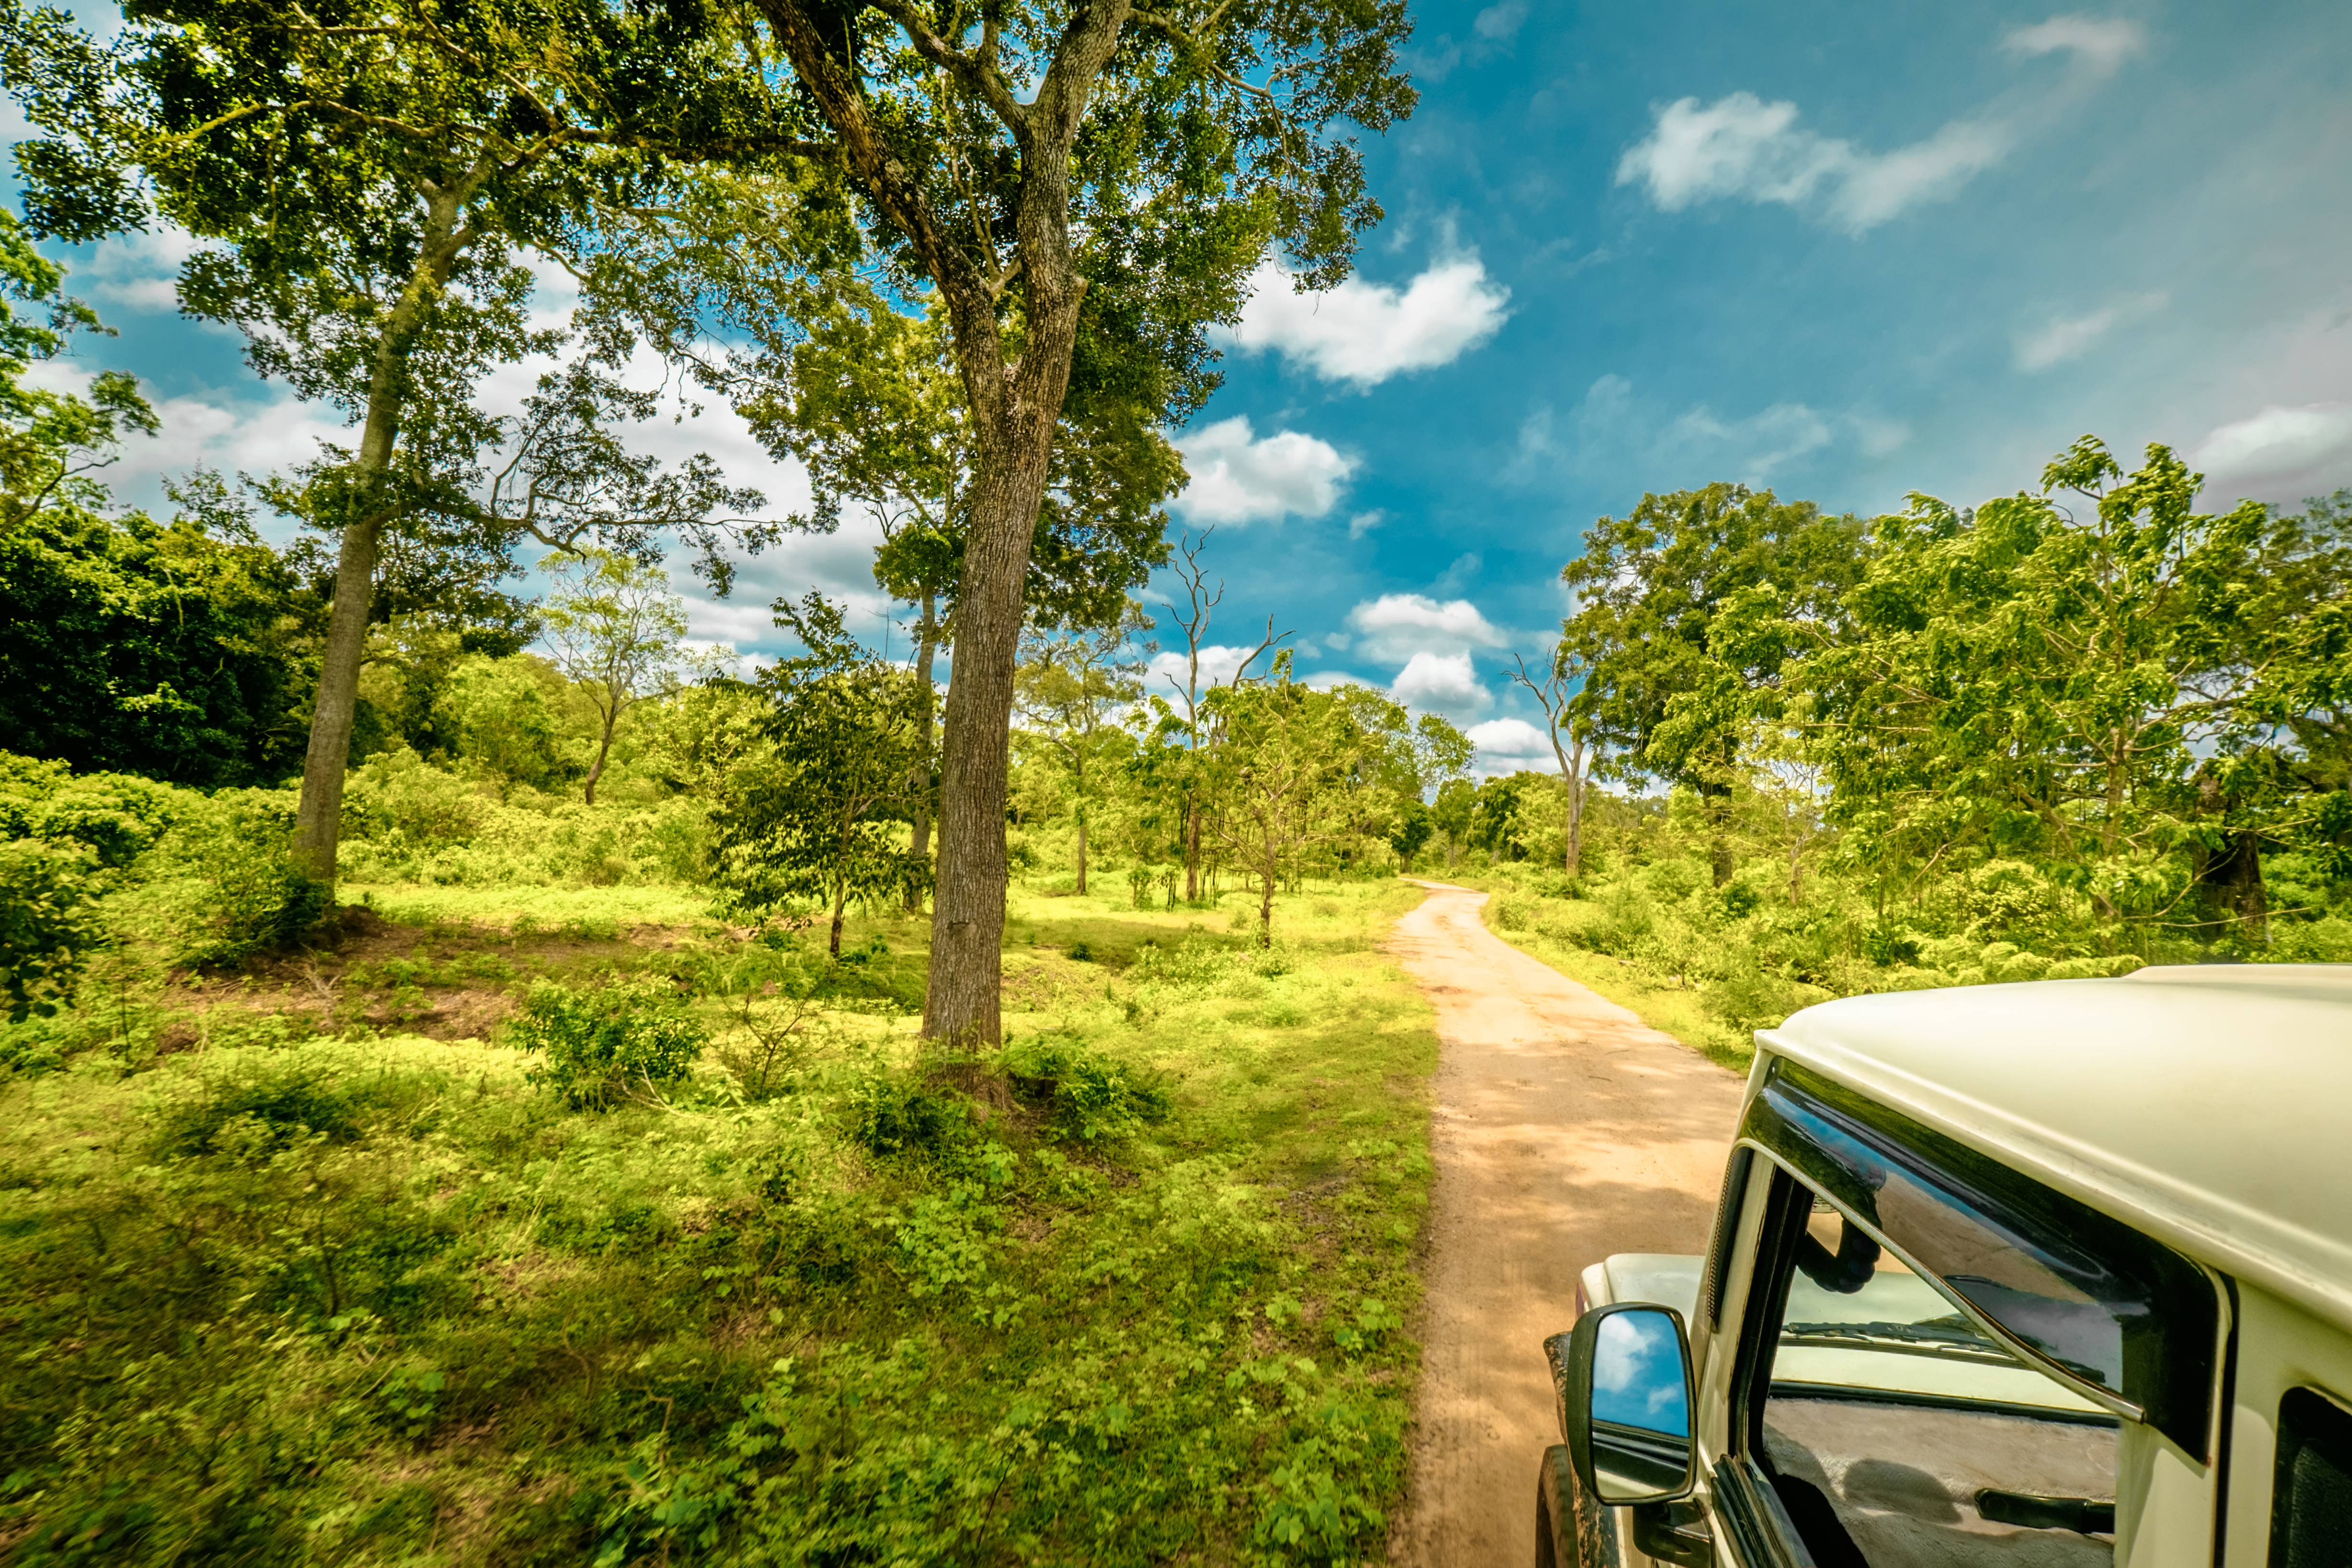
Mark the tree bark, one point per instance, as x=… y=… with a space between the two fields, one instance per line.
x=927 y=644
x=1715 y=808
x=603 y=749
x=318 y=819
x=1192 y=846
x=1082 y=850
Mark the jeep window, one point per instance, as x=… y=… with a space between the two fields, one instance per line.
x=2311 y=1507
x=1893 y=1429
x=2096 y=1302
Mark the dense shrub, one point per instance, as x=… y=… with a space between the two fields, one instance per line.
x=608 y=1044
x=48 y=923
x=249 y=897
x=908 y=1116
x=1086 y=1096
x=258 y=1107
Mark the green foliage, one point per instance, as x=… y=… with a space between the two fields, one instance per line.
x=630 y=1038
x=259 y=1105
x=48 y=923
x=50 y=439
x=1085 y=1096
x=167 y=651
x=847 y=748
x=250 y=897
x=500 y=716
x=909 y=1116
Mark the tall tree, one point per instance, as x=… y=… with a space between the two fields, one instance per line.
x=1555 y=690
x=1192 y=622
x=1069 y=692
x=1281 y=779
x=1087 y=235
x=2100 y=684
x=614 y=629
x=367 y=176
x=815 y=819
x=833 y=371
x=51 y=441
x=1656 y=693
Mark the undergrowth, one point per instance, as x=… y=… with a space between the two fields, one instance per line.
x=747 y=1278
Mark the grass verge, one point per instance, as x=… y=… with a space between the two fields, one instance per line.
x=305 y=1266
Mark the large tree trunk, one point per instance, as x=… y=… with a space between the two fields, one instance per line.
x=927 y=644
x=962 y=1004
x=1082 y=850
x=318 y=819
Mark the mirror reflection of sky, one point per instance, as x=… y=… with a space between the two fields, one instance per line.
x=1637 y=1374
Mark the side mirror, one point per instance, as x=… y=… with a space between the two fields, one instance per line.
x=1623 y=1374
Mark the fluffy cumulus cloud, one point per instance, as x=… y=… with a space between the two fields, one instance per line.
x=2062 y=337
x=140 y=270
x=1363 y=334
x=1506 y=745
x=1434 y=682
x=1742 y=147
x=1239 y=477
x=1398 y=626
x=2279 y=454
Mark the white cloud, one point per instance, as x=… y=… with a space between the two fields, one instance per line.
x=1363 y=522
x=1742 y=147
x=1440 y=682
x=1165 y=674
x=1500 y=21
x=1366 y=333
x=1237 y=478
x=140 y=269
x=2100 y=44
x=2279 y=454
x=2062 y=337
x=1506 y=745
x=1409 y=625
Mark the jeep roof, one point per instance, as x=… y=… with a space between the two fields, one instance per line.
x=2209 y=1106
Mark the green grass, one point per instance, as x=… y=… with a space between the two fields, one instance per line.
x=285 y=1281
x=549 y=909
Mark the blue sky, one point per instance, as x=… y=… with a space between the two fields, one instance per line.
x=1845 y=250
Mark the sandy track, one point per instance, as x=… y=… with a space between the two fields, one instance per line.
x=1564 y=1130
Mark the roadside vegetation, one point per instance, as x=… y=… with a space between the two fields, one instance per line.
x=548 y=1221
x=2064 y=733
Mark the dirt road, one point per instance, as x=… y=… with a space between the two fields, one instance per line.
x=1564 y=1130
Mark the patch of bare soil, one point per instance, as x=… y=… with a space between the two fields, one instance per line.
x=1564 y=1130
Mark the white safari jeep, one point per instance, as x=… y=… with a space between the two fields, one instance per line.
x=2037 y=1275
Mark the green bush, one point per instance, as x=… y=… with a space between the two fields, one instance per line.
x=250 y=897
x=119 y=816
x=604 y=1045
x=908 y=1117
x=1085 y=1095
x=48 y=923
